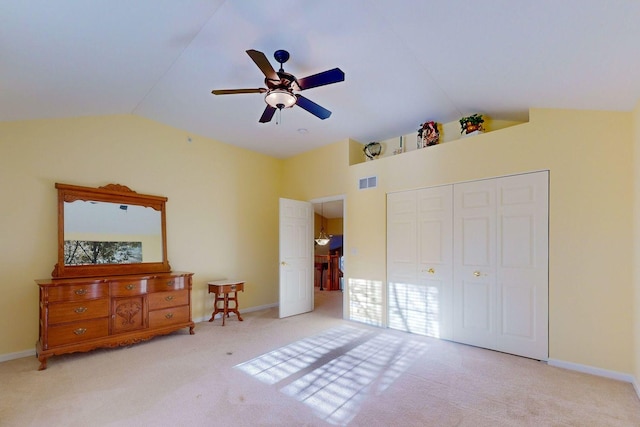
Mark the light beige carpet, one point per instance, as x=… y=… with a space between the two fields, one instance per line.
x=308 y=370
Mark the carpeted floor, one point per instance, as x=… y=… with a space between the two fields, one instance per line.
x=313 y=369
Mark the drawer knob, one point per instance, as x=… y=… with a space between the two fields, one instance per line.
x=80 y=310
x=168 y=315
x=171 y=282
x=80 y=291
x=80 y=331
x=169 y=298
x=130 y=287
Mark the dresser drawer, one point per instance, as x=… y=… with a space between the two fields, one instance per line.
x=78 y=331
x=168 y=316
x=72 y=311
x=78 y=292
x=160 y=300
x=125 y=288
x=162 y=284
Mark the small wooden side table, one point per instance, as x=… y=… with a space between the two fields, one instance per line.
x=225 y=291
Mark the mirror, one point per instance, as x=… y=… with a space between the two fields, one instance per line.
x=109 y=230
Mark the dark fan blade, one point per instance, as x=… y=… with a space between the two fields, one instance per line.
x=234 y=91
x=325 y=78
x=267 y=115
x=263 y=63
x=312 y=107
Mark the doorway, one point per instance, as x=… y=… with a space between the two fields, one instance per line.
x=328 y=261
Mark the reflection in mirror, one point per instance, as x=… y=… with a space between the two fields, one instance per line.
x=111 y=233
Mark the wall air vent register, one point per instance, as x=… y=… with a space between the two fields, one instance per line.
x=368 y=182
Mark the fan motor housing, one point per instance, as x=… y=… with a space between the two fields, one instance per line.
x=287 y=81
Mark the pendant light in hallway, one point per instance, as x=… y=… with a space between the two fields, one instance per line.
x=323 y=238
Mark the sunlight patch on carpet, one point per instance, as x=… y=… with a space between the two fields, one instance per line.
x=333 y=372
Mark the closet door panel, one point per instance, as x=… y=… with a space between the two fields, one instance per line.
x=435 y=252
x=474 y=281
x=402 y=255
x=419 y=261
x=522 y=216
x=476 y=309
x=402 y=259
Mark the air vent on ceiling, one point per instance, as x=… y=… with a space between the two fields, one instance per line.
x=368 y=182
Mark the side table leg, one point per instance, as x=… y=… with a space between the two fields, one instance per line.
x=236 y=310
x=225 y=313
x=216 y=308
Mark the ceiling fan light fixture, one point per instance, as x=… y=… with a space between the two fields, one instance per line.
x=280 y=98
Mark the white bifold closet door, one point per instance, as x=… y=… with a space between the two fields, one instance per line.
x=469 y=262
x=500 y=279
x=419 y=261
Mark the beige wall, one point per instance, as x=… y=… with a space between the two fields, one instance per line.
x=222 y=213
x=223 y=209
x=589 y=156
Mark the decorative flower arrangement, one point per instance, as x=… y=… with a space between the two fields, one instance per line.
x=471 y=123
x=428 y=134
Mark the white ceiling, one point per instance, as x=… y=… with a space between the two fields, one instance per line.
x=405 y=62
x=330 y=209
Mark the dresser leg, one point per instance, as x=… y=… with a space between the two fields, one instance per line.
x=191 y=331
x=43 y=363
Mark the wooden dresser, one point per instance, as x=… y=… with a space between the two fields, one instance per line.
x=82 y=314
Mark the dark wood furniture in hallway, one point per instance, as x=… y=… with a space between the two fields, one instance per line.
x=327 y=272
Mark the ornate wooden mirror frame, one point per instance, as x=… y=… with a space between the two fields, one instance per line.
x=120 y=195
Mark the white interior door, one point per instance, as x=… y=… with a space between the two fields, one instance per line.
x=474 y=278
x=522 y=273
x=296 y=255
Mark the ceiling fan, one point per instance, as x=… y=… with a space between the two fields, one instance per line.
x=281 y=85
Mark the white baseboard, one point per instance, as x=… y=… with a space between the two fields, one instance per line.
x=32 y=353
x=628 y=378
x=17 y=355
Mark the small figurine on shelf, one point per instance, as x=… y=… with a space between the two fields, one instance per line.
x=400 y=149
x=428 y=134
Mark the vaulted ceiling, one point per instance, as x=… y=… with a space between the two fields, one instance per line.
x=405 y=61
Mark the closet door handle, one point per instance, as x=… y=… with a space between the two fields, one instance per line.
x=476 y=273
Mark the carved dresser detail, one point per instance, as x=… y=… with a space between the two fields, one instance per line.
x=113 y=285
